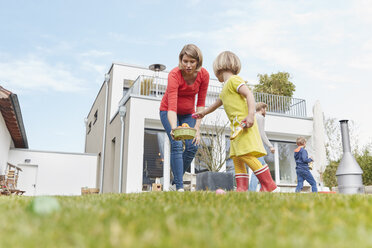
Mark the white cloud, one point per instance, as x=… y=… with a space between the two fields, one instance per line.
x=363 y=62
x=35 y=74
x=362 y=10
x=185 y=35
x=95 y=53
x=119 y=37
x=98 y=68
x=319 y=43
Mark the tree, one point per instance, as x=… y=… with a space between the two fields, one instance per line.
x=212 y=152
x=334 y=139
x=276 y=84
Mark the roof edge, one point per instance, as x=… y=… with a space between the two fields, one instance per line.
x=18 y=113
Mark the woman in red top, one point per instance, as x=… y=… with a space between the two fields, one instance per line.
x=178 y=104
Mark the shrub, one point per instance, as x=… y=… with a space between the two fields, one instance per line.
x=365 y=162
x=329 y=175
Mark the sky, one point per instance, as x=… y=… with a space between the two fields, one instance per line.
x=54 y=54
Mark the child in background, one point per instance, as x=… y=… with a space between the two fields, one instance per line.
x=302 y=166
x=239 y=104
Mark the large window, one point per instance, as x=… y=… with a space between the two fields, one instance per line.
x=153 y=157
x=287 y=163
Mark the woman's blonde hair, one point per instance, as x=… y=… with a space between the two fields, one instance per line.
x=192 y=51
x=300 y=141
x=226 y=61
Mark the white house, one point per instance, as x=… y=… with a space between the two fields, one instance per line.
x=123 y=127
x=43 y=172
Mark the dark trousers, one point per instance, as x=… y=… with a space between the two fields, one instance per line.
x=305 y=174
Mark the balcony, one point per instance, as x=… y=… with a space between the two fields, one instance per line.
x=148 y=86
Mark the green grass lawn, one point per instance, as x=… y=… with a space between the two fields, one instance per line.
x=190 y=219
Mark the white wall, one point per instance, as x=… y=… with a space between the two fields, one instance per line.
x=284 y=127
x=58 y=173
x=5 y=142
x=140 y=110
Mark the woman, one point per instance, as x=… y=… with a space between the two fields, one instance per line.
x=178 y=104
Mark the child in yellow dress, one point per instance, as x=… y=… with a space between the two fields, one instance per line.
x=239 y=104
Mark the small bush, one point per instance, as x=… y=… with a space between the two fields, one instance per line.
x=365 y=162
x=329 y=175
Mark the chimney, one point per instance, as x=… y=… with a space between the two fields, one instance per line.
x=349 y=173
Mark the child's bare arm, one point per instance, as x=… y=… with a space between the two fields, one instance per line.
x=210 y=109
x=244 y=91
x=198 y=121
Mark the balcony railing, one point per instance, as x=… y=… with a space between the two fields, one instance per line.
x=155 y=87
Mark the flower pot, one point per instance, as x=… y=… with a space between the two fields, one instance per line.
x=214 y=180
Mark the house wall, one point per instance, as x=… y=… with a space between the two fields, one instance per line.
x=140 y=110
x=285 y=128
x=95 y=136
x=93 y=139
x=5 y=144
x=112 y=158
x=58 y=173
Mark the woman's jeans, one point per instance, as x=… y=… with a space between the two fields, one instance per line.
x=305 y=174
x=180 y=158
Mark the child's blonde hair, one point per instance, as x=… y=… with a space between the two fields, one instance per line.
x=226 y=61
x=192 y=51
x=300 y=141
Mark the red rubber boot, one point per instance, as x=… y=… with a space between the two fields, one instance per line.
x=241 y=182
x=266 y=181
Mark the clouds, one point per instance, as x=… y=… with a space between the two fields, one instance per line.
x=35 y=74
x=44 y=69
x=95 y=53
x=309 y=39
x=325 y=45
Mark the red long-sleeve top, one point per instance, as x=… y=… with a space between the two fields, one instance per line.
x=180 y=97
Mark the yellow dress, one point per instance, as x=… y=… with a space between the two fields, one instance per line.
x=249 y=141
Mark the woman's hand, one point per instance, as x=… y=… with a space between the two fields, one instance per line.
x=196 y=139
x=172 y=134
x=249 y=120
